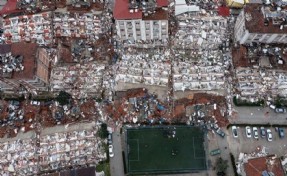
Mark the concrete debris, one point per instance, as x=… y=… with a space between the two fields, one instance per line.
x=143 y=68
x=69 y=24
x=79 y=80
x=29 y=28
x=53 y=152
x=10 y=63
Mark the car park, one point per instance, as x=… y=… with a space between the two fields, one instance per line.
x=248 y=131
x=281 y=132
x=255 y=132
x=262 y=132
x=280 y=110
x=234 y=131
x=111 y=153
x=269 y=135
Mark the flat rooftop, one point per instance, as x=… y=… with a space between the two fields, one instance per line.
x=122 y=12
x=256 y=23
x=28 y=51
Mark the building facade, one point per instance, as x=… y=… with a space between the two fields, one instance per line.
x=141 y=21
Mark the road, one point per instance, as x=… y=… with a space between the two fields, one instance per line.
x=116 y=163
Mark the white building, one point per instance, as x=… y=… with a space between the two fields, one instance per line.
x=141 y=21
x=261 y=24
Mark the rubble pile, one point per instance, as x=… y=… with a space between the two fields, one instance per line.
x=139 y=106
x=201 y=31
x=17 y=116
x=36 y=28
x=78 y=25
x=34 y=6
x=257 y=82
x=9 y=63
x=197 y=76
x=53 y=152
x=76 y=148
x=143 y=68
x=79 y=80
x=18 y=157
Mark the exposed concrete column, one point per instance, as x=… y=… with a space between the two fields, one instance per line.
x=143 y=30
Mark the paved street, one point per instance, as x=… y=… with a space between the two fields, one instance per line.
x=215 y=142
x=258 y=115
x=247 y=145
x=116 y=163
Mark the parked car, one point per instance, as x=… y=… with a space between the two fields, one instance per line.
x=255 y=132
x=234 y=131
x=215 y=152
x=111 y=153
x=248 y=131
x=37 y=103
x=262 y=132
x=281 y=132
x=220 y=132
x=269 y=135
x=280 y=110
x=110 y=138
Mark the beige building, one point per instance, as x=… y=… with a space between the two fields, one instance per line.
x=261 y=24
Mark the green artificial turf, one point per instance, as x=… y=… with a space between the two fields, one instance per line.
x=155 y=150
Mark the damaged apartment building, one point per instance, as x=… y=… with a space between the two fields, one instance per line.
x=23 y=70
x=261 y=31
x=141 y=21
x=200 y=47
x=38 y=28
x=201 y=43
x=29 y=28
x=262 y=24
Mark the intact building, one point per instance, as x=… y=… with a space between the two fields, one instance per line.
x=141 y=20
x=261 y=24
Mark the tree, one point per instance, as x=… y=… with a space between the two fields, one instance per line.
x=63 y=98
x=103 y=132
x=221 y=166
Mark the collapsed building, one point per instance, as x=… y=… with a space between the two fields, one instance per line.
x=32 y=75
x=254 y=82
x=79 y=80
x=75 y=25
x=143 y=68
x=262 y=24
x=29 y=28
x=51 y=152
x=141 y=21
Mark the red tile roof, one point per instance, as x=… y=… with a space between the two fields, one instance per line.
x=223 y=11
x=122 y=12
x=256 y=166
x=162 y=3
x=10 y=7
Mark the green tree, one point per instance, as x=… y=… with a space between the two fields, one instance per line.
x=221 y=166
x=63 y=98
x=103 y=131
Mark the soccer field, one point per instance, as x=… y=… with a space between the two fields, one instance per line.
x=167 y=149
